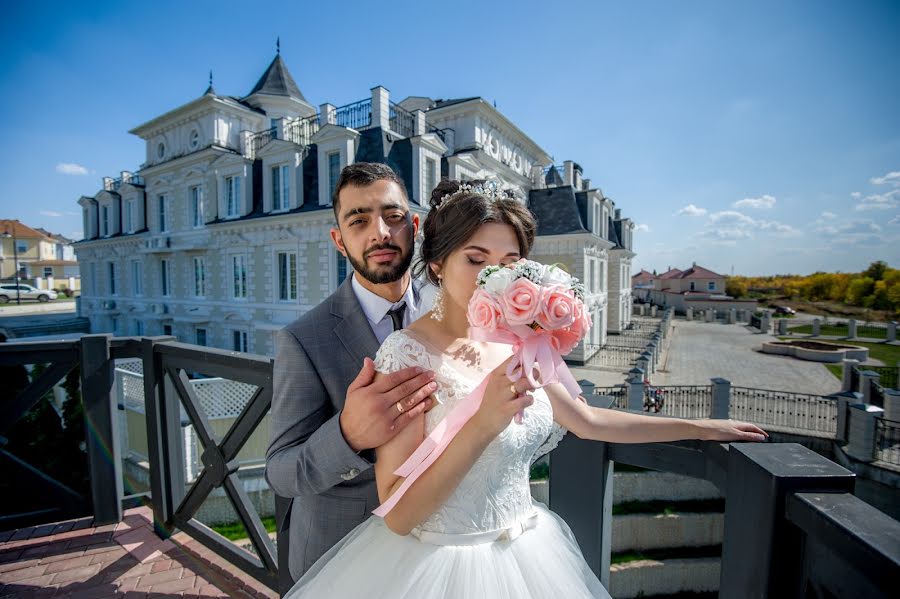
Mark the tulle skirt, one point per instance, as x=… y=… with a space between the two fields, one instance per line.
x=372 y=562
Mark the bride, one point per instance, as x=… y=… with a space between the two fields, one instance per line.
x=468 y=526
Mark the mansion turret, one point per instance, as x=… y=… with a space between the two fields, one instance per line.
x=222 y=237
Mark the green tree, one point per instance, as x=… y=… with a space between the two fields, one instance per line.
x=859 y=290
x=876 y=270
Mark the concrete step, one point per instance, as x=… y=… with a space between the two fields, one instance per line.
x=645 y=578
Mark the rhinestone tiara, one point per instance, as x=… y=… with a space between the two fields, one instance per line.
x=490 y=189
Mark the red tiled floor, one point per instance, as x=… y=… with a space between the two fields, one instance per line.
x=125 y=561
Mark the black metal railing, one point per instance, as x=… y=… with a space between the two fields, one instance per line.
x=887 y=375
x=887 y=441
x=871 y=330
x=683 y=401
x=401 y=121
x=808 y=414
x=356 y=115
x=259 y=140
x=301 y=131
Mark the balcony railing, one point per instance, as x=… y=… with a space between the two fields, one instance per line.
x=357 y=115
x=401 y=121
x=300 y=131
x=792 y=524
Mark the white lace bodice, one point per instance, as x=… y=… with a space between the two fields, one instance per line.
x=495 y=493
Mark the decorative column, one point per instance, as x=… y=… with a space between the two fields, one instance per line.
x=866 y=378
x=381 y=107
x=892 y=404
x=891 y=331
x=861 y=431
x=851 y=328
x=721 y=398
x=816 y=327
x=636 y=389
x=847 y=375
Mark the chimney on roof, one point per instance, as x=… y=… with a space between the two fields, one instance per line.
x=618 y=213
x=694 y=264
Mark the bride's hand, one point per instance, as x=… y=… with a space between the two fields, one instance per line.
x=502 y=400
x=714 y=429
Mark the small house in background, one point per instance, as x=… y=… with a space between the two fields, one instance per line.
x=45 y=260
x=697 y=287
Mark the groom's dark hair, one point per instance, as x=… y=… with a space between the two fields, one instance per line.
x=361 y=174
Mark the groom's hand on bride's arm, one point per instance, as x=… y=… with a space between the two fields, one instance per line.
x=371 y=416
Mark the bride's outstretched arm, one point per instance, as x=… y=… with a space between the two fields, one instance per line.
x=438 y=482
x=616 y=426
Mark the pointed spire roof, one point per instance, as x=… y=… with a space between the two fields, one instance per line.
x=277 y=81
x=209 y=90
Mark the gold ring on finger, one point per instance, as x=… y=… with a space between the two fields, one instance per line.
x=512 y=389
x=399 y=407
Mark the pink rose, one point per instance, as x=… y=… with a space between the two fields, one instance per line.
x=558 y=310
x=484 y=311
x=521 y=302
x=567 y=338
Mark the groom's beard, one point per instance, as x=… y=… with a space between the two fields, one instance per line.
x=382 y=274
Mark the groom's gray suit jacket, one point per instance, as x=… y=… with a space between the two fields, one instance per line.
x=333 y=488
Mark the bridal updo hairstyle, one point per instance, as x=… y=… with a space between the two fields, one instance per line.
x=449 y=226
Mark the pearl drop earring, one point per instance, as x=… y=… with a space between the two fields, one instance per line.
x=437 y=308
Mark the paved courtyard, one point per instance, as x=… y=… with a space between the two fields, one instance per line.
x=699 y=351
x=695 y=352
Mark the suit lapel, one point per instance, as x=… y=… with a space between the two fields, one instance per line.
x=353 y=330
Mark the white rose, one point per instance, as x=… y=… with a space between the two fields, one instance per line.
x=499 y=281
x=554 y=275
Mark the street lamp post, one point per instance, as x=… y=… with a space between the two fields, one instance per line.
x=15 y=261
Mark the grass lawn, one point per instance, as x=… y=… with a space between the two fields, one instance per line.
x=235 y=530
x=662 y=554
x=840 y=330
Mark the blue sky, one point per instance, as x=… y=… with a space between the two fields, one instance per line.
x=758 y=137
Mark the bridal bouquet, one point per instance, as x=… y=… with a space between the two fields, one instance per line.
x=536 y=308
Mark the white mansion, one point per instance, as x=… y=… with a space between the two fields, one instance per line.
x=222 y=236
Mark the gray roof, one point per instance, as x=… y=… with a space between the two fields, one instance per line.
x=452 y=101
x=277 y=81
x=556 y=211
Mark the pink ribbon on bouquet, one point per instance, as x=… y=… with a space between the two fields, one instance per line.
x=529 y=346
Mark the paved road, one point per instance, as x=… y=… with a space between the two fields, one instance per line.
x=700 y=351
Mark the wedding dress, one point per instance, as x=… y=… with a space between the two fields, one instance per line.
x=490 y=539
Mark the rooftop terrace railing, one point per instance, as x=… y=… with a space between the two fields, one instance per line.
x=356 y=115
x=792 y=525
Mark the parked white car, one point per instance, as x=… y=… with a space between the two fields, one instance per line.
x=25 y=292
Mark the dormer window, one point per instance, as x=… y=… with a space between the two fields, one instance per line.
x=281 y=187
x=104 y=221
x=232 y=195
x=160 y=150
x=195 y=139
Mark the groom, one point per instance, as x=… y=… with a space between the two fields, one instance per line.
x=329 y=411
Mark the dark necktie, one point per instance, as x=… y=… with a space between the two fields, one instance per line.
x=397 y=315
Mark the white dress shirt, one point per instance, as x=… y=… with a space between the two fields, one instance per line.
x=376 y=308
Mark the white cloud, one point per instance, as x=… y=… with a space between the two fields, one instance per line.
x=50 y=213
x=880 y=201
x=855 y=195
x=763 y=202
x=895 y=220
x=70 y=168
x=892 y=178
x=731 y=217
x=828 y=215
x=691 y=210
x=856 y=232
x=642 y=228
